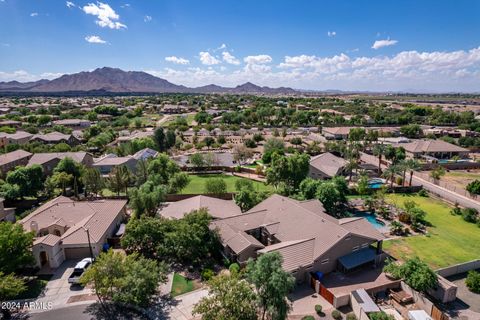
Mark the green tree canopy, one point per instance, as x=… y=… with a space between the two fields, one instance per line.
x=230 y=298
x=15 y=247
x=130 y=279
x=272 y=285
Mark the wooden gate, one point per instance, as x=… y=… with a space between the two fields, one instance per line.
x=437 y=314
x=326 y=294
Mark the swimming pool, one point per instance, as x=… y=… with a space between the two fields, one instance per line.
x=371 y=218
x=376 y=183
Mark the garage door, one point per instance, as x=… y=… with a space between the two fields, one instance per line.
x=77 y=253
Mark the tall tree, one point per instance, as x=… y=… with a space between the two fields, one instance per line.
x=147 y=199
x=215 y=186
x=27 y=181
x=230 y=298
x=119 y=179
x=159 y=138
x=379 y=151
x=130 y=279
x=15 y=247
x=93 y=181
x=69 y=166
x=272 y=285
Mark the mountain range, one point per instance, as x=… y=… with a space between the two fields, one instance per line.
x=115 y=80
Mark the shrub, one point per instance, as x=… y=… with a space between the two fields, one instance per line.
x=399 y=181
x=469 y=215
x=336 y=315
x=423 y=193
x=380 y=316
x=456 y=210
x=351 y=316
x=318 y=309
x=473 y=187
x=404 y=217
x=308 y=318
x=234 y=268
x=473 y=281
x=207 y=274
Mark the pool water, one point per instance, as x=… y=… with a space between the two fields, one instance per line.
x=375 y=185
x=370 y=218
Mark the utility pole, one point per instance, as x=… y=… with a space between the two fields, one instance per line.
x=89 y=243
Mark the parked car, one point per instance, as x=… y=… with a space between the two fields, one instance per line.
x=79 y=269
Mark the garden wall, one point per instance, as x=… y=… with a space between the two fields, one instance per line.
x=459 y=268
x=452 y=166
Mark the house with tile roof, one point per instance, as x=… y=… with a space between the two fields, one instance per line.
x=60 y=227
x=55 y=138
x=308 y=239
x=217 y=208
x=326 y=166
x=10 y=160
x=49 y=160
x=438 y=149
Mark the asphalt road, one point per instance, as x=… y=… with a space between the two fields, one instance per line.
x=73 y=313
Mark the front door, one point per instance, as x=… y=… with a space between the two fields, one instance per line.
x=43 y=258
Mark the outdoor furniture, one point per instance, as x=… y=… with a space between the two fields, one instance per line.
x=401 y=297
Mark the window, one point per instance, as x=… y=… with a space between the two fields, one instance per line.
x=365 y=245
x=355 y=248
x=325 y=261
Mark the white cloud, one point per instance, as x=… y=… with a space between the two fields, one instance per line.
x=406 y=71
x=331 y=33
x=95 y=39
x=33 y=14
x=259 y=59
x=229 y=58
x=177 y=60
x=147 y=18
x=70 y=4
x=383 y=43
x=106 y=16
x=207 y=59
x=24 y=76
x=126 y=5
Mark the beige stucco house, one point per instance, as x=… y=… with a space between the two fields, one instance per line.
x=61 y=225
x=308 y=239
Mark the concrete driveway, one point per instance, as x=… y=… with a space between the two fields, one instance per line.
x=182 y=306
x=303 y=301
x=58 y=291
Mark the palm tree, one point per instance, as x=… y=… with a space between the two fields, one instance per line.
x=390 y=173
x=379 y=151
x=352 y=164
x=402 y=166
x=412 y=165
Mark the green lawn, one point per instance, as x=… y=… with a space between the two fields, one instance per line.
x=182 y=285
x=450 y=239
x=197 y=183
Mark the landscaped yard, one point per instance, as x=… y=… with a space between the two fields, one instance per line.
x=182 y=285
x=450 y=239
x=197 y=183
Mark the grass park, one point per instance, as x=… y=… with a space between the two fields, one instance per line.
x=450 y=239
x=197 y=183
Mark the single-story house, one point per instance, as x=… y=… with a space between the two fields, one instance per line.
x=55 y=138
x=336 y=133
x=326 y=166
x=217 y=208
x=19 y=137
x=61 y=226
x=144 y=154
x=107 y=163
x=73 y=123
x=49 y=160
x=433 y=148
x=9 y=161
x=308 y=239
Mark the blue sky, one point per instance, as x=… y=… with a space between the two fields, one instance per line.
x=351 y=45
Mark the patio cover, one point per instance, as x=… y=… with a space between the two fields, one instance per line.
x=357 y=258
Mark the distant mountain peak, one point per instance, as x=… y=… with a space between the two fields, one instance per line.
x=116 y=80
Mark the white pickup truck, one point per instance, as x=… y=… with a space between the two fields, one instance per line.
x=79 y=269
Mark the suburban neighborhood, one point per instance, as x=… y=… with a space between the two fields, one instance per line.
x=239 y=160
